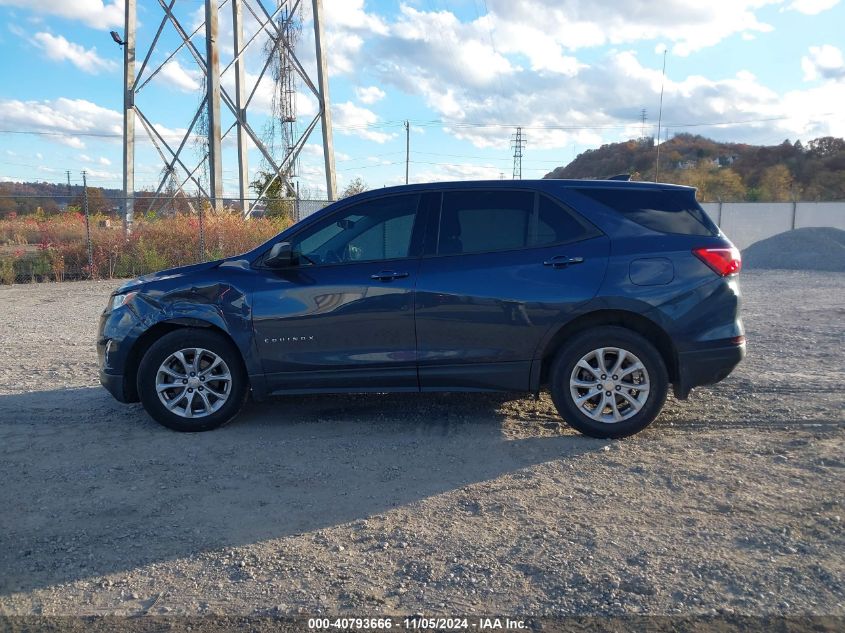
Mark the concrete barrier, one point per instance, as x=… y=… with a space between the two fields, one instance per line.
x=748 y=222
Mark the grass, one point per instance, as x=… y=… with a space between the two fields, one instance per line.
x=53 y=248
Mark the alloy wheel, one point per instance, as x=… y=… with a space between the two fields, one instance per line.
x=609 y=384
x=193 y=382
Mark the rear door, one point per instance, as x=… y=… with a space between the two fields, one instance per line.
x=501 y=268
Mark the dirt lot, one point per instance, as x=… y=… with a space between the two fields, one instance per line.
x=730 y=502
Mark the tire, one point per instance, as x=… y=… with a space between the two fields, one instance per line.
x=636 y=396
x=218 y=389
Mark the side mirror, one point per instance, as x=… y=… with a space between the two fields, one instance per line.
x=280 y=256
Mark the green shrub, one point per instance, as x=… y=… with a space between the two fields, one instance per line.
x=7 y=270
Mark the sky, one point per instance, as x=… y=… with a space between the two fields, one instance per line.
x=574 y=74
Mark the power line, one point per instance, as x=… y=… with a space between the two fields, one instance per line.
x=459 y=125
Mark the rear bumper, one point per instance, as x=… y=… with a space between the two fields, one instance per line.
x=706 y=367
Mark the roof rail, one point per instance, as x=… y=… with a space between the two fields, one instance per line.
x=625 y=177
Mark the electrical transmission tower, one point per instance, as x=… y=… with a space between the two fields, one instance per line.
x=643 y=118
x=517 y=143
x=278 y=26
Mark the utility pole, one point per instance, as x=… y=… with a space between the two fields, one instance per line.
x=407 y=148
x=129 y=117
x=87 y=225
x=660 y=119
x=642 y=120
x=212 y=56
x=68 y=185
x=240 y=101
x=325 y=103
x=517 y=142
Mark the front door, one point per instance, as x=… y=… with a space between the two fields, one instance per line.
x=342 y=317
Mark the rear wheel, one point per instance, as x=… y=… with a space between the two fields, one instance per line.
x=609 y=382
x=192 y=380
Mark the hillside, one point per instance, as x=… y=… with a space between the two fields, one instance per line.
x=726 y=171
x=27 y=197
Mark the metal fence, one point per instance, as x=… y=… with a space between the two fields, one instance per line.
x=44 y=238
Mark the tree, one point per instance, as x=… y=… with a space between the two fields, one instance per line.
x=354 y=187
x=7 y=206
x=97 y=201
x=826 y=146
x=279 y=199
x=725 y=184
x=776 y=184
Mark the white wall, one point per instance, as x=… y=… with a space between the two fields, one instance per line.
x=748 y=222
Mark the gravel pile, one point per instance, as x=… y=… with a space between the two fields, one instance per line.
x=802 y=249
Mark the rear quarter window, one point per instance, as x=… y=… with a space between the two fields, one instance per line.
x=666 y=211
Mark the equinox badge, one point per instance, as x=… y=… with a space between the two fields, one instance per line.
x=289 y=339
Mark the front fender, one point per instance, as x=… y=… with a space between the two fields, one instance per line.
x=216 y=304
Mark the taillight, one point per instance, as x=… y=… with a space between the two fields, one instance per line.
x=723 y=261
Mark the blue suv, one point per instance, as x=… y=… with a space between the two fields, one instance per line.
x=608 y=292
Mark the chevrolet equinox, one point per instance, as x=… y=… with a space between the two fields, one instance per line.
x=606 y=292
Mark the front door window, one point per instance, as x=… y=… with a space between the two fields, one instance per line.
x=369 y=231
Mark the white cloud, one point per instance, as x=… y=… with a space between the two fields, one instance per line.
x=104 y=161
x=60 y=115
x=69 y=121
x=354 y=120
x=823 y=62
x=71 y=141
x=689 y=26
x=812 y=7
x=180 y=77
x=58 y=48
x=62 y=120
x=94 y=13
x=420 y=172
x=369 y=94
x=351 y=15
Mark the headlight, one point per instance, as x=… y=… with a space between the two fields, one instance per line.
x=119 y=300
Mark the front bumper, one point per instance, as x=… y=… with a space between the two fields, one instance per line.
x=117 y=333
x=706 y=367
x=115 y=385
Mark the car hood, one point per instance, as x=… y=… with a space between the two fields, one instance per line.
x=170 y=273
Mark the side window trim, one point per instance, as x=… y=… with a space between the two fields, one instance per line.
x=533 y=223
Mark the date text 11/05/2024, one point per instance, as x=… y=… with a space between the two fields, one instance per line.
x=418 y=623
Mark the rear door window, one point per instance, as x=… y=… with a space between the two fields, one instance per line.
x=556 y=224
x=666 y=211
x=484 y=221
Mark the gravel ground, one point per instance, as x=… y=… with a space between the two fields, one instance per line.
x=455 y=504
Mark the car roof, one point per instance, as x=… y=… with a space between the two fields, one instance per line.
x=544 y=184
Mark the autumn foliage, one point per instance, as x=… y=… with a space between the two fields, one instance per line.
x=45 y=248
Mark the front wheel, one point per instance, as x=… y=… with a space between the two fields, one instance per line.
x=192 y=380
x=609 y=382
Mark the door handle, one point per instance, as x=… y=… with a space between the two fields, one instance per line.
x=388 y=275
x=562 y=261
